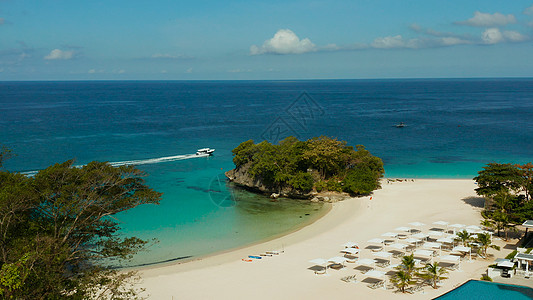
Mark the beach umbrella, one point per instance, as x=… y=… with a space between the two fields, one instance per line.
x=350 y=251
x=320 y=262
x=337 y=260
x=432 y=245
x=441 y=223
x=383 y=254
x=390 y=234
x=446 y=240
x=398 y=246
x=436 y=234
x=376 y=241
x=413 y=241
x=463 y=249
x=375 y=274
x=405 y=229
x=350 y=245
x=366 y=262
x=420 y=235
x=457 y=226
x=417 y=224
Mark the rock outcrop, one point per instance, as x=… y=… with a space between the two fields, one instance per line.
x=241 y=177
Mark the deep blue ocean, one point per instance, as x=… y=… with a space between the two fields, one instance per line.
x=453 y=128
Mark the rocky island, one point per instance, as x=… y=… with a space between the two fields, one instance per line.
x=315 y=168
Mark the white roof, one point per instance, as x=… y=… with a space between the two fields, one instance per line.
x=337 y=260
x=390 y=234
x=350 y=250
x=350 y=244
x=375 y=274
x=376 y=241
x=383 y=254
x=461 y=249
x=524 y=256
x=505 y=263
x=319 y=261
x=432 y=245
x=398 y=246
x=416 y=224
x=402 y=228
x=450 y=258
x=423 y=252
x=366 y=261
x=420 y=235
x=441 y=223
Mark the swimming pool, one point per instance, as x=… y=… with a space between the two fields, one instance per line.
x=475 y=289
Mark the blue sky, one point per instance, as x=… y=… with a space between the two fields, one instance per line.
x=206 y=39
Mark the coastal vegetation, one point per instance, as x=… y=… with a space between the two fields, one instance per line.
x=296 y=168
x=407 y=273
x=58 y=233
x=508 y=190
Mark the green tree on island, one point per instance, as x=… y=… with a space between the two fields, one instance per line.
x=57 y=231
x=320 y=163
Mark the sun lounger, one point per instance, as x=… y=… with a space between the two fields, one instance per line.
x=377 y=285
x=348 y=279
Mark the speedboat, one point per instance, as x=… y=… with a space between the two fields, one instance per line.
x=205 y=151
x=401 y=125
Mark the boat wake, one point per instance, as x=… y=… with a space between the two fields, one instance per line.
x=140 y=161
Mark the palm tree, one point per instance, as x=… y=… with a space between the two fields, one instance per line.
x=408 y=264
x=434 y=273
x=402 y=279
x=485 y=240
x=464 y=236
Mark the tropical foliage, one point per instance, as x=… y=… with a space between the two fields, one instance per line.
x=321 y=163
x=57 y=229
x=507 y=189
x=434 y=273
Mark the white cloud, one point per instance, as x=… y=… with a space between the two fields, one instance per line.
x=488 y=20
x=396 y=41
x=94 y=71
x=513 y=36
x=529 y=10
x=59 y=54
x=284 y=42
x=494 y=36
x=189 y=71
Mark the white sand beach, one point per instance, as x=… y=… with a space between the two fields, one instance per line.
x=286 y=276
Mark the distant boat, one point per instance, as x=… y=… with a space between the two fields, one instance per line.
x=401 y=125
x=205 y=151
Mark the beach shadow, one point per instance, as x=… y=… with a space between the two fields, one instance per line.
x=363 y=269
x=478 y=202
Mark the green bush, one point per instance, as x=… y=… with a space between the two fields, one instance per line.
x=486 y=277
x=302 y=181
x=511 y=255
